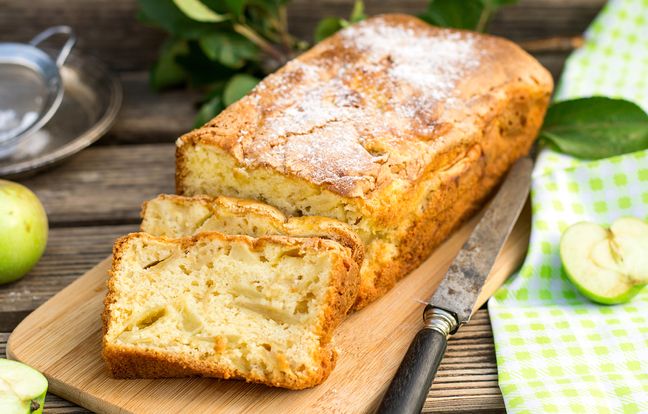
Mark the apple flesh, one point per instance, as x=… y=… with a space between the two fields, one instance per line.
x=22 y=388
x=23 y=230
x=630 y=243
x=608 y=266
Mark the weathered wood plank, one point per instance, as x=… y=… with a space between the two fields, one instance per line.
x=57 y=405
x=109 y=29
x=105 y=184
x=459 y=387
x=147 y=116
x=70 y=252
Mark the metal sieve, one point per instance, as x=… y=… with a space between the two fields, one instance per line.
x=31 y=87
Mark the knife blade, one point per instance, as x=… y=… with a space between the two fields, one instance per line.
x=452 y=303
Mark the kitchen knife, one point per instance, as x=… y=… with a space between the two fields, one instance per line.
x=452 y=303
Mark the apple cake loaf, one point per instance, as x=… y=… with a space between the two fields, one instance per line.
x=398 y=128
x=177 y=216
x=227 y=306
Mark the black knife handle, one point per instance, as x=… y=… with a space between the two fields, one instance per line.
x=411 y=384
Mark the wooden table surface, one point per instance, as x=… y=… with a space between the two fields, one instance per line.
x=95 y=196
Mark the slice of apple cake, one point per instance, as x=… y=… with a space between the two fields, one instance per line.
x=178 y=216
x=227 y=306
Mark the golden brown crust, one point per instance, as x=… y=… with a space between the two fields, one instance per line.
x=306 y=226
x=422 y=158
x=124 y=361
x=131 y=363
x=461 y=191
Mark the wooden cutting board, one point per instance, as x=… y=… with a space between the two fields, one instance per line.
x=62 y=339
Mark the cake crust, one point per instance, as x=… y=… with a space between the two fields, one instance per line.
x=125 y=361
x=397 y=128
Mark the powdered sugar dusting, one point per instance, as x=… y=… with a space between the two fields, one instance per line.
x=342 y=161
x=338 y=119
x=434 y=64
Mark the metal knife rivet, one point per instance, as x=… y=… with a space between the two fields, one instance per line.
x=439 y=320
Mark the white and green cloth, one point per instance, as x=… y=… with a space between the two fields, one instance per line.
x=556 y=351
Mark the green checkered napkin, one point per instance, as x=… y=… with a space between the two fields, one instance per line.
x=556 y=351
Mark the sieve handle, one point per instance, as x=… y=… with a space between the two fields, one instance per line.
x=67 y=47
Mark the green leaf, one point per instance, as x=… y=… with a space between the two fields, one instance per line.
x=212 y=107
x=238 y=87
x=166 y=72
x=229 y=48
x=596 y=127
x=169 y=17
x=145 y=18
x=326 y=27
x=464 y=14
x=201 y=69
x=219 y=6
x=235 y=6
x=198 y=11
x=358 y=13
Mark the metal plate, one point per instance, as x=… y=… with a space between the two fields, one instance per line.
x=90 y=105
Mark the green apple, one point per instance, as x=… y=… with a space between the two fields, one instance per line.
x=22 y=388
x=608 y=266
x=23 y=230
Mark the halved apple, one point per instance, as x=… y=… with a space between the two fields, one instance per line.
x=608 y=266
x=22 y=388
